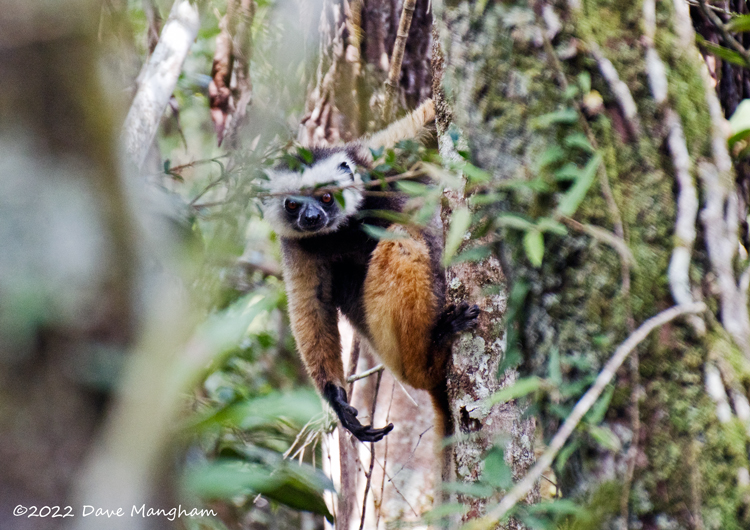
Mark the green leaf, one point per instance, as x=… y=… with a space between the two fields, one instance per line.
x=547 y=224
x=496 y=472
x=721 y=52
x=580 y=141
x=472 y=255
x=553 y=369
x=444 y=510
x=569 y=171
x=459 y=225
x=416 y=189
x=605 y=437
x=511 y=220
x=533 y=244
x=556 y=506
x=296 y=407
x=484 y=198
x=377 y=153
x=377 y=232
x=739 y=24
x=584 y=81
x=573 y=197
x=476 y=489
x=570 y=92
x=297 y=486
x=564 y=455
x=740 y=122
x=305 y=154
x=552 y=154
x=561 y=116
x=474 y=174
x=520 y=388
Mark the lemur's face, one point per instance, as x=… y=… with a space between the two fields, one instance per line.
x=304 y=204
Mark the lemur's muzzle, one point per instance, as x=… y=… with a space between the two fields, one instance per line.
x=312 y=217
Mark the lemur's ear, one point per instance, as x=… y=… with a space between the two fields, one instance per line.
x=346 y=168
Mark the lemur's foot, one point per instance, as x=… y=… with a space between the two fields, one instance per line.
x=347 y=414
x=454 y=320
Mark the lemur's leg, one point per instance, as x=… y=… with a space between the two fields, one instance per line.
x=401 y=308
x=314 y=321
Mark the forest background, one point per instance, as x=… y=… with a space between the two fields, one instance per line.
x=590 y=163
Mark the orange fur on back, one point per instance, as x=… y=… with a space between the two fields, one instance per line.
x=401 y=308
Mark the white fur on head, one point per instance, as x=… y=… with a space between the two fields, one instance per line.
x=322 y=173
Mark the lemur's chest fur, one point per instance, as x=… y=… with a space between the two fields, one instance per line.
x=341 y=259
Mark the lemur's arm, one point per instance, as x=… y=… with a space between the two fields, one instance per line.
x=314 y=321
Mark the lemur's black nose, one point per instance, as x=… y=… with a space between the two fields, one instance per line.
x=312 y=218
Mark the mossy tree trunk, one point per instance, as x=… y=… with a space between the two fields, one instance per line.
x=597 y=116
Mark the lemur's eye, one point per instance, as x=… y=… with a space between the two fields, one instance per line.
x=326 y=198
x=343 y=166
x=291 y=205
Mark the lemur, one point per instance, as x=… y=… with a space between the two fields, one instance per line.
x=392 y=290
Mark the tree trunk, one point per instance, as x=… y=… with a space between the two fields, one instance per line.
x=536 y=86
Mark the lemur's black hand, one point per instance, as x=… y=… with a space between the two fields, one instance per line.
x=347 y=414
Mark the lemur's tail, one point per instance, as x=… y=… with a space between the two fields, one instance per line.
x=444 y=430
x=410 y=126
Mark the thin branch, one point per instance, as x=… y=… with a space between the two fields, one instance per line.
x=366 y=373
x=385 y=459
x=602 y=235
x=411 y=455
x=520 y=490
x=391 y=85
x=718 y=9
x=393 y=485
x=372 y=452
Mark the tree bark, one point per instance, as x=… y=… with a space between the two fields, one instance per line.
x=678 y=457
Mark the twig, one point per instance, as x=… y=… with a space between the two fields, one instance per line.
x=520 y=490
x=411 y=455
x=177 y=169
x=347 y=451
x=393 y=485
x=366 y=373
x=391 y=85
x=718 y=9
x=726 y=36
x=602 y=235
x=385 y=458
x=372 y=452
x=210 y=185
